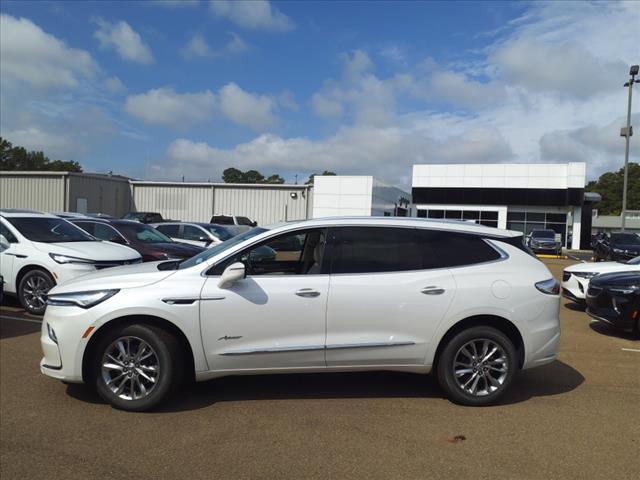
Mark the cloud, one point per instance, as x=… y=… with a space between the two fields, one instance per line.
x=124 y=40
x=164 y=106
x=175 y=3
x=28 y=54
x=114 y=84
x=247 y=109
x=197 y=47
x=253 y=15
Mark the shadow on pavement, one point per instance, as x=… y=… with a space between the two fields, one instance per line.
x=553 y=379
x=14 y=328
x=609 y=331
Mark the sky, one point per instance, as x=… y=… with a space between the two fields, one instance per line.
x=162 y=90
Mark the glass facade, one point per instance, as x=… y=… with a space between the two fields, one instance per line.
x=490 y=219
x=526 y=222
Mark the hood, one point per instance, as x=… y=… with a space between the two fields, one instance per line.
x=129 y=276
x=619 y=279
x=626 y=246
x=99 y=251
x=600 y=267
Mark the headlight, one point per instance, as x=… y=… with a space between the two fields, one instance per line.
x=584 y=274
x=59 y=258
x=618 y=250
x=80 y=299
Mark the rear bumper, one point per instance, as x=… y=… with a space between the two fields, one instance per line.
x=542 y=338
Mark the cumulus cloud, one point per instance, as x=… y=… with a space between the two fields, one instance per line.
x=246 y=108
x=254 y=15
x=166 y=107
x=28 y=54
x=197 y=47
x=124 y=40
x=114 y=84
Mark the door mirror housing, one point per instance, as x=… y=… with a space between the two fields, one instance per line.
x=232 y=274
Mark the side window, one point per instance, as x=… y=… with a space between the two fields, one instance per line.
x=169 y=230
x=443 y=249
x=375 y=249
x=244 y=221
x=190 y=232
x=107 y=232
x=6 y=233
x=88 y=227
x=295 y=253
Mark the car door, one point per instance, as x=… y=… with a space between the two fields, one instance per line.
x=384 y=305
x=275 y=318
x=194 y=235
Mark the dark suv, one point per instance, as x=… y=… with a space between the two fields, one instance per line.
x=149 y=242
x=544 y=241
x=617 y=246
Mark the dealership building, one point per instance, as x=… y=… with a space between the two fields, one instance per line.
x=520 y=197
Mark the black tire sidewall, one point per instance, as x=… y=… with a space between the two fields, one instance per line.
x=36 y=272
x=169 y=359
x=444 y=368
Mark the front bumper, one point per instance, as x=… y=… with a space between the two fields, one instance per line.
x=574 y=288
x=613 y=318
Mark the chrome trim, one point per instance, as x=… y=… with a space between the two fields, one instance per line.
x=302 y=348
x=203 y=299
x=432 y=290
x=179 y=301
x=340 y=346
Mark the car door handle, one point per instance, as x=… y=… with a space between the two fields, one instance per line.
x=432 y=290
x=308 y=293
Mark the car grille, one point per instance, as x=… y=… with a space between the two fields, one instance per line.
x=114 y=263
x=566 y=276
x=594 y=291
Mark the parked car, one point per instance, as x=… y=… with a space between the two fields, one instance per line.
x=235 y=224
x=544 y=241
x=144 y=217
x=42 y=250
x=575 y=279
x=614 y=298
x=466 y=301
x=149 y=242
x=617 y=246
x=200 y=234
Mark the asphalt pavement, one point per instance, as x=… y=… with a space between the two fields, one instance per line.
x=576 y=418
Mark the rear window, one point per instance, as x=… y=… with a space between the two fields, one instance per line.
x=222 y=220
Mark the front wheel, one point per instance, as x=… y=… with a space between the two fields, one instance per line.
x=32 y=291
x=477 y=366
x=137 y=366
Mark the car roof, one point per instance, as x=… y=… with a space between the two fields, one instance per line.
x=451 y=225
x=18 y=212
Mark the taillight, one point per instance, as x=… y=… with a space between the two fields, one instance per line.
x=550 y=286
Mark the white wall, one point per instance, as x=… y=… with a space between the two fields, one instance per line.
x=501 y=175
x=335 y=195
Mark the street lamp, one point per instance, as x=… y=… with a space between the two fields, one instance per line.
x=626 y=133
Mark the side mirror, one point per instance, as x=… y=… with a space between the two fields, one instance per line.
x=4 y=243
x=232 y=274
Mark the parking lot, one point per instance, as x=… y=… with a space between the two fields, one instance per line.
x=575 y=418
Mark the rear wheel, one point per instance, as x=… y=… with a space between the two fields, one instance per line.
x=33 y=289
x=136 y=367
x=477 y=366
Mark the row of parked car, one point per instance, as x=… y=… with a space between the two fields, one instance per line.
x=41 y=250
x=610 y=291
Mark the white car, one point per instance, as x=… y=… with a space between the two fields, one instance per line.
x=41 y=250
x=339 y=294
x=199 y=234
x=575 y=279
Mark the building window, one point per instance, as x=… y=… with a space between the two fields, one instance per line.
x=527 y=222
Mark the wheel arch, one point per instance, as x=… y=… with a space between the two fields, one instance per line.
x=166 y=325
x=28 y=268
x=499 y=323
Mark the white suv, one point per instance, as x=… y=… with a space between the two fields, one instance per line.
x=40 y=251
x=340 y=294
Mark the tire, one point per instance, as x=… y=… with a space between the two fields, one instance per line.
x=32 y=288
x=134 y=378
x=498 y=372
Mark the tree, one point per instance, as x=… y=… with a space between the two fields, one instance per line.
x=311 y=177
x=18 y=158
x=233 y=175
x=609 y=186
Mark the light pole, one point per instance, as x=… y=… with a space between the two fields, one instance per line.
x=626 y=133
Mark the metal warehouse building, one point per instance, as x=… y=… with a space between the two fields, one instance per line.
x=187 y=201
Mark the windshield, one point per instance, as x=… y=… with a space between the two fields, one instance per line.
x=220 y=232
x=625 y=238
x=49 y=230
x=134 y=216
x=139 y=232
x=544 y=234
x=221 y=247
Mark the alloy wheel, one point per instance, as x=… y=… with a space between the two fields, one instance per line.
x=130 y=368
x=480 y=367
x=34 y=292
